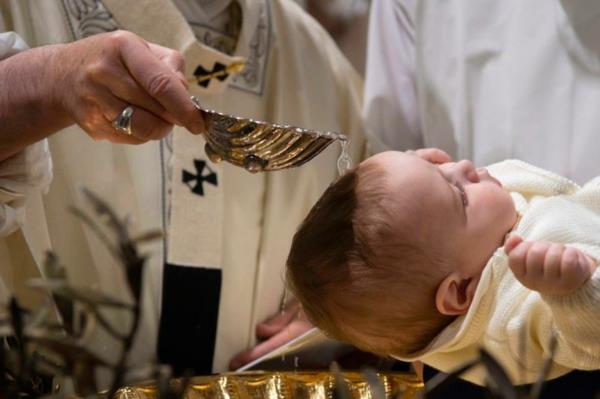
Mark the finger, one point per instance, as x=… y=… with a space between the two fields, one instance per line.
x=552 y=262
x=173 y=59
x=573 y=268
x=590 y=262
x=144 y=125
x=534 y=264
x=293 y=330
x=117 y=137
x=239 y=360
x=113 y=79
x=517 y=257
x=129 y=91
x=433 y=155
x=161 y=83
x=147 y=126
x=585 y=264
x=92 y=119
x=276 y=323
x=511 y=242
x=259 y=350
x=107 y=132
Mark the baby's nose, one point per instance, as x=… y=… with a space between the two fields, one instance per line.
x=468 y=171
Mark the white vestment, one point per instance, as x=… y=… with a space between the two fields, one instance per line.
x=244 y=224
x=487 y=80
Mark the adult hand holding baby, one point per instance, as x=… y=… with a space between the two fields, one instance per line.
x=549 y=268
x=433 y=155
x=274 y=332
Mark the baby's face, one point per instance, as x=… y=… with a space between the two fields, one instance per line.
x=462 y=212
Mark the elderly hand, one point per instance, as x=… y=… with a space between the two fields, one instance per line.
x=95 y=79
x=548 y=268
x=274 y=332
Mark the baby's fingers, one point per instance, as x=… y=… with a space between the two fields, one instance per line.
x=575 y=269
x=534 y=264
x=553 y=261
x=517 y=254
x=511 y=243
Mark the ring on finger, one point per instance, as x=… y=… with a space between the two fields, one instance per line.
x=123 y=122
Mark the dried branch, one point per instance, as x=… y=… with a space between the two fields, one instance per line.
x=536 y=390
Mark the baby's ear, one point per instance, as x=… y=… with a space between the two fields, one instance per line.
x=455 y=294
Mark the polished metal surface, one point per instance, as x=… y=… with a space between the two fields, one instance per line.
x=285 y=385
x=260 y=146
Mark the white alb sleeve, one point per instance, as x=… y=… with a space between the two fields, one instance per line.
x=390 y=106
x=26 y=172
x=10 y=44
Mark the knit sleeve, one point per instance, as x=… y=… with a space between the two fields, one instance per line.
x=530 y=180
x=577 y=322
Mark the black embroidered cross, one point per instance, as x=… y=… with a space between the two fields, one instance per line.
x=203 y=174
x=204 y=76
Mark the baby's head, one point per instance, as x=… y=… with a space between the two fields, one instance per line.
x=393 y=251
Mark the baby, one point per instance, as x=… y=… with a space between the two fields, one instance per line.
x=407 y=257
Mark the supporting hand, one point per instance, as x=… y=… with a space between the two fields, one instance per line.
x=274 y=332
x=433 y=155
x=549 y=268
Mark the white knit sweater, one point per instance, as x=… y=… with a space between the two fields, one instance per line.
x=514 y=323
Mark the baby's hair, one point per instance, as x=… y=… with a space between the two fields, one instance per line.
x=360 y=276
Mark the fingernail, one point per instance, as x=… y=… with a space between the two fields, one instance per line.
x=580 y=259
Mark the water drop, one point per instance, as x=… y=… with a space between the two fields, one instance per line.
x=344 y=162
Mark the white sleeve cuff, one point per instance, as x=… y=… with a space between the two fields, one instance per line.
x=27 y=172
x=10 y=44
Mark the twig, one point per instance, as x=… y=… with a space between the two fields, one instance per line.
x=536 y=390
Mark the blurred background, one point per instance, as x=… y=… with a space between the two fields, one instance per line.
x=346 y=21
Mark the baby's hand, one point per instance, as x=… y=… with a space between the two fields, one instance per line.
x=548 y=268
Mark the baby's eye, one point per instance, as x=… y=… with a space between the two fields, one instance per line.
x=463 y=194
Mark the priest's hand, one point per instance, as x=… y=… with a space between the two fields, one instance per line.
x=273 y=333
x=100 y=76
x=91 y=82
x=549 y=268
x=432 y=155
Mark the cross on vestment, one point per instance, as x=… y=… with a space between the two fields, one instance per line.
x=203 y=174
